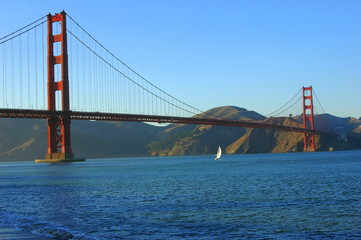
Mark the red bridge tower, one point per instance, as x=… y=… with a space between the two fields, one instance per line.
x=58 y=127
x=59 y=147
x=308 y=119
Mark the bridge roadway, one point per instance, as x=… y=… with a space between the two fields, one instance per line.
x=99 y=116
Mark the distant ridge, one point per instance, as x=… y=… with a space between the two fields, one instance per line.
x=191 y=140
x=232 y=113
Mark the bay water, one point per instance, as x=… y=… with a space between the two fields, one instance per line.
x=253 y=196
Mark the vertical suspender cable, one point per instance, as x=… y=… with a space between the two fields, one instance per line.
x=130 y=102
x=20 y=73
x=88 y=82
x=96 y=79
x=114 y=85
x=104 y=83
x=113 y=88
x=36 y=71
x=100 y=76
x=134 y=99
x=12 y=75
x=5 y=77
x=147 y=101
x=4 y=74
x=83 y=82
x=126 y=98
x=77 y=73
x=143 y=100
x=124 y=93
x=108 y=90
x=114 y=101
x=92 y=80
x=102 y=95
x=119 y=92
x=28 y=59
x=121 y=78
x=100 y=90
x=105 y=89
x=115 y=92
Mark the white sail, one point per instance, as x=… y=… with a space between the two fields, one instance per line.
x=219 y=153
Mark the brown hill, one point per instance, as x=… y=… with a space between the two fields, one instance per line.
x=231 y=113
x=183 y=139
x=268 y=140
x=189 y=140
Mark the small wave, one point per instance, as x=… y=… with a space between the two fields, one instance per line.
x=40 y=228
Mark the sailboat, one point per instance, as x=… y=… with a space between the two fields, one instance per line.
x=219 y=153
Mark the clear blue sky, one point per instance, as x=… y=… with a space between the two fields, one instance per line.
x=251 y=54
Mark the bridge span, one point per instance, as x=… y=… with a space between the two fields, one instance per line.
x=99 y=116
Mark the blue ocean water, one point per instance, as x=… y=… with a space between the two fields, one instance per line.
x=258 y=196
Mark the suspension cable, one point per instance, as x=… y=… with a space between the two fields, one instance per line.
x=284 y=105
x=290 y=106
x=131 y=69
x=134 y=82
x=318 y=101
x=23 y=27
x=21 y=32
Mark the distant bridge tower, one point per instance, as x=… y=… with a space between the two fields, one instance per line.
x=308 y=119
x=58 y=127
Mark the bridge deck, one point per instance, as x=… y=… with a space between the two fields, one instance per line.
x=99 y=116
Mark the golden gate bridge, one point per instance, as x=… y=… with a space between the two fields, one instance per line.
x=59 y=72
